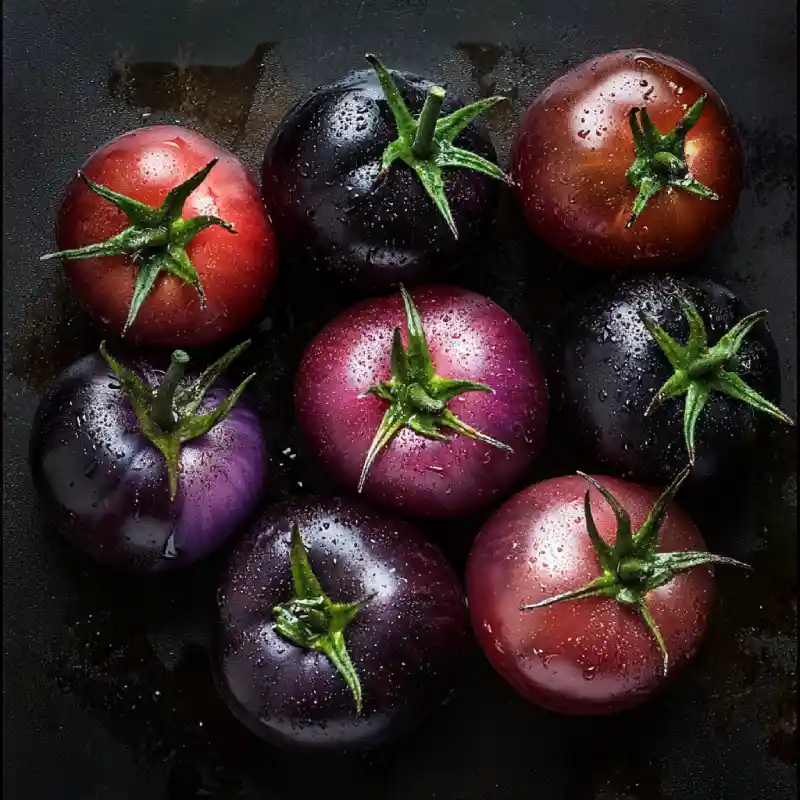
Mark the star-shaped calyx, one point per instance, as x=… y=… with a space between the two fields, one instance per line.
x=631 y=567
x=155 y=241
x=426 y=144
x=701 y=370
x=417 y=396
x=311 y=620
x=661 y=159
x=167 y=414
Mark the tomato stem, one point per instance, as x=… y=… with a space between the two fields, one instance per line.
x=163 y=409
x=155 y=240
x=168 y=416
x=312 y=621
x=660 y=161
x=632 y=567
x=417 y=396
x=426 y=144
x=700 y=370
x=426 y=124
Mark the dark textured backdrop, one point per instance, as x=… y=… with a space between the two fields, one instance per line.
x=107 y=693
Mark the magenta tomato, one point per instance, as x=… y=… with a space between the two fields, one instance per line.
x=630 y=159
x=164 y=237
x=617 y=614
x=432 y=406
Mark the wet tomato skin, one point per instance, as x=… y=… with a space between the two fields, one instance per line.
x=236 y=270
x=574 y=146
x=582 y=657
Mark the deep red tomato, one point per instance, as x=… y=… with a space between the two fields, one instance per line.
x=575 y=147
x=591 y=655
x=235 y=270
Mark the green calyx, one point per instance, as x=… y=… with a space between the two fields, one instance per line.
x=313 y=621
x=155 y=241
x=167 y=414
x=631 y=567
x=701 y=370
x=417 y=396
x=660 y=159
x=426 y=144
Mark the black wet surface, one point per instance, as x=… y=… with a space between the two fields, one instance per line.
x=107 y=688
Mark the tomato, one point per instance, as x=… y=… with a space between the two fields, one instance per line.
x=438 y=425
x=209 y=279
x=349 y=188
x=640 y=622
x=583 y=178
x=654 y=370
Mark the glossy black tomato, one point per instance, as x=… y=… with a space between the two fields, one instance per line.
x=338 y=629
x=372 y=193
x=650 y=373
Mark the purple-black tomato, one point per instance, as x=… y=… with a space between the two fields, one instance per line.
x=381 y=177
x=338 y=629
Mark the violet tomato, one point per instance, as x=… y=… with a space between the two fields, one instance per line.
x=435 y=418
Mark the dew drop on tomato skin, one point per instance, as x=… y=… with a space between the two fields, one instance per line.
x=547 y=653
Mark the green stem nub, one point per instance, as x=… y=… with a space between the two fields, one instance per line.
x=168 y=414
x=632 y=567
x=660 y=161
x=163 y=404
x=155 y=240
x=426 y=124
x=312 y=621
x=427 y=143
x=700 y=370
x=417 y=396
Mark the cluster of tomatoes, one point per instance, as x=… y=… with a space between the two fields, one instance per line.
x=339 y=624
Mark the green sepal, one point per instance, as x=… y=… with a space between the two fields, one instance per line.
x=425 y=144
x=170 y=419
x=700 y=370
x=312 y=621
x=155 y=241
x=631 y=567
x=417 y=396
x=660 y=161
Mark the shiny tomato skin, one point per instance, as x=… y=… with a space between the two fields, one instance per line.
x=574 y=146
x=584 y=657
x=236 y=270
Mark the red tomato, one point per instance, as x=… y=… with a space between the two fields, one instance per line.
x=575 y=146
x=236 y=269
x=582 y=656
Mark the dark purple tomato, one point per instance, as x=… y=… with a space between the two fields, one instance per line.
x=631 y=159
x=641 y=390
x=147 y=473
x=347 y=185
x=338 y=629
x=613 y=621
x=434 y=409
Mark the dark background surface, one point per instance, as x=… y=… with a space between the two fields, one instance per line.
x=107 y=692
